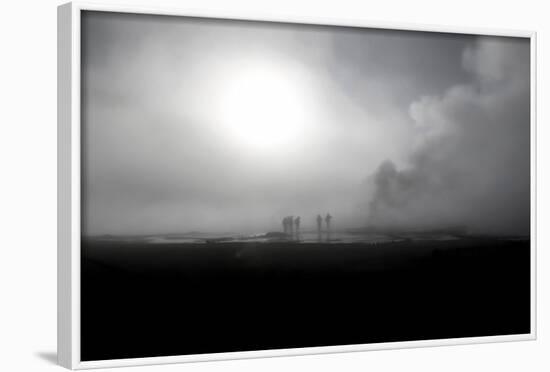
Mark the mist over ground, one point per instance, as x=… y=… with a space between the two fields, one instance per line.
x=385 y=128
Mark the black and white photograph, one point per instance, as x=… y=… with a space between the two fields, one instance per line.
x=252 y=185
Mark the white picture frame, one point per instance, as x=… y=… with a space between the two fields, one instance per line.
x=69 y=186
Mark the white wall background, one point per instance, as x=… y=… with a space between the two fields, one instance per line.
x=28 y=185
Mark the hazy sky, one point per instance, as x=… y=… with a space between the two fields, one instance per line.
x=215 y=125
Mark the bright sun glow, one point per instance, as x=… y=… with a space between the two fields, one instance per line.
x=263 y=107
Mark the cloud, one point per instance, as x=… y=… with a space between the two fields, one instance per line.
x=470 y=160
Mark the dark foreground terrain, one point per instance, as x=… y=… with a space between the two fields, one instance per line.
x=144 y=300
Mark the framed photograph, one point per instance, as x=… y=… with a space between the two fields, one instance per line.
x=241 y=185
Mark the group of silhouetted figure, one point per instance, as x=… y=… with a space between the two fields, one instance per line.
x=289 y=222
x=291 y=225
x=328 y=217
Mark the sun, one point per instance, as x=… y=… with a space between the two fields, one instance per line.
x=263 y=106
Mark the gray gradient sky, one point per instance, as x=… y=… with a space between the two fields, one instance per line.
x=216 y=125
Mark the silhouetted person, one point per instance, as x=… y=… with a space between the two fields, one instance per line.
x=297 y=225
x=319 y=223
x=291 y=225
x=327 y=221
x=287 y=224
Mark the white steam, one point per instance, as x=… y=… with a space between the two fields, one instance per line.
x=470 y=163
